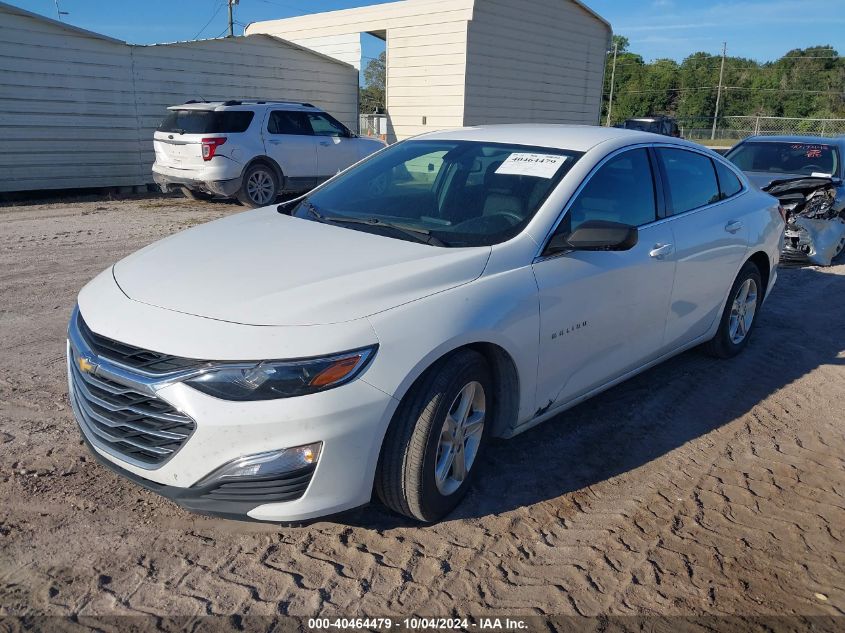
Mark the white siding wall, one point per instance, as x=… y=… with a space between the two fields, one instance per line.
x=345 y=47
x=67 y=117
x=78 y=110
x=534 y=61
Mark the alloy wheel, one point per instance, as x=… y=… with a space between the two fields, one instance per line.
x=460 y=438
x=742 y=311
x=260 y=187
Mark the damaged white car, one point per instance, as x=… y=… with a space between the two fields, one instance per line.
x=806 y=174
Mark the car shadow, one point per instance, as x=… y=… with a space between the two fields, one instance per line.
x=800 y=328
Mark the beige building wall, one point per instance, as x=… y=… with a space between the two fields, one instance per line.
x=426 y=51
x=465 y=62
x=534 y=61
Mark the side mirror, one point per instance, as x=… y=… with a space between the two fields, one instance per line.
x=595 y=235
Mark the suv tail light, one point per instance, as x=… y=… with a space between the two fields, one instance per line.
x=782 y=212
x=210 y=145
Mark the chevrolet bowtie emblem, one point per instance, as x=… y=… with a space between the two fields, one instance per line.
x=85 y=365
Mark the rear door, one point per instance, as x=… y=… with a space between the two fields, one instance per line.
x=603 y=313
x=336 y=149
x=710 y=236
x=289 y=141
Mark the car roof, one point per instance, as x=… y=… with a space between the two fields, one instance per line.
x=245 y=105
x=579 y=138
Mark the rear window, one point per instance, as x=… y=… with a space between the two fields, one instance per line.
x=729 y=184
x=690 y=178
x=206 y=121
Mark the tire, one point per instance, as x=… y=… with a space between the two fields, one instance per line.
x=195 y=195
x=737 y=324
x=260 y=186
x=406 y=480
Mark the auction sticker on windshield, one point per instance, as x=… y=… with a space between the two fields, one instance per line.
x=527 y=164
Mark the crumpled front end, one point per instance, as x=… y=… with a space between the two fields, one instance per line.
x=815 y=226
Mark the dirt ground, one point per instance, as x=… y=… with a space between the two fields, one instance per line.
x=699 y=487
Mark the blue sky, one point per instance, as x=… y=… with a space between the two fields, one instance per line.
x=759 y=29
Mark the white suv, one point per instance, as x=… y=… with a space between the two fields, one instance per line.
x=252 y=150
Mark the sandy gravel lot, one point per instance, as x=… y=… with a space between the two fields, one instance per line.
x=700 y=487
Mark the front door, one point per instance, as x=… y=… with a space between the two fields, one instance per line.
x=336 y=150
x=603 y=313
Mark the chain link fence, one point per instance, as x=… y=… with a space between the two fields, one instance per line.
x=373 y=125
x=734 y=128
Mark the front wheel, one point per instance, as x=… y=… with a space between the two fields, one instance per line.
x=435 y=441
x=260 y=186
x=740 y=314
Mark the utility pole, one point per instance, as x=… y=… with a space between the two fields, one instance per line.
x=612 y=78
x=231 y=4
x=719 y=90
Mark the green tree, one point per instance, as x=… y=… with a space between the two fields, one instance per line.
x=804 y=83
x=373 y=91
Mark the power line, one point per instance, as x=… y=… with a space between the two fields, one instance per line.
x=211 y=19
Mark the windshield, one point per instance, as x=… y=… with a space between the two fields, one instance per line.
x=806 y=159
x=206 y=121
x=444 y=193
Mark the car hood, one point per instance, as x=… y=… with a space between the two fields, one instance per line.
x=761 y=179
x=264 y=268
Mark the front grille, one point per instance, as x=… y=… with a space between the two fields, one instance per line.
x=136 y=426
x=280 y=488
x=131 y=356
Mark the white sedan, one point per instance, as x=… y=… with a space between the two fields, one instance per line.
x=285 y=363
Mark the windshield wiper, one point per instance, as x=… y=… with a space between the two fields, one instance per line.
x=418 y=235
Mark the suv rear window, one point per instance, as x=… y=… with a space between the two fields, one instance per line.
x=206 y=121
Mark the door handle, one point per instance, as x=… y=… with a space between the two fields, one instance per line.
x=733 y=226
x=274 y=141
x=660 y=251
x=325 y=143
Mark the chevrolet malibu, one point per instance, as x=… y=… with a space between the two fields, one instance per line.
x=368 y=339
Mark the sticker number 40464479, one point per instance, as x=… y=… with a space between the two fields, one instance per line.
x=529 y=164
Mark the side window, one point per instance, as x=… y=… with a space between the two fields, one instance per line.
x=622 y=190
x=690 y=179
x=324 y=125
x=729 y=184
x=295 y=123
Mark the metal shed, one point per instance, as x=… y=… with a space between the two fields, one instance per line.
x=78 y=109
x=466 y=62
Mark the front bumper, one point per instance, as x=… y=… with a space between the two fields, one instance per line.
x=169 y=180
x=349 y=421
x=207 y=499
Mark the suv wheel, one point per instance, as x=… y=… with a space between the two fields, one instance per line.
x=434 y=444
x=259 y=188
x=740 y=314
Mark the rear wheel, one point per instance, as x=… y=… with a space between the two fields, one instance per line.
x=433 y=446
x=740 y=314
x=260 y=186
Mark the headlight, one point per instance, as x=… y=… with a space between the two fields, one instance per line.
x=269 y=380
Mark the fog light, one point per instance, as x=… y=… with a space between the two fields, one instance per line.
x=266 y=465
